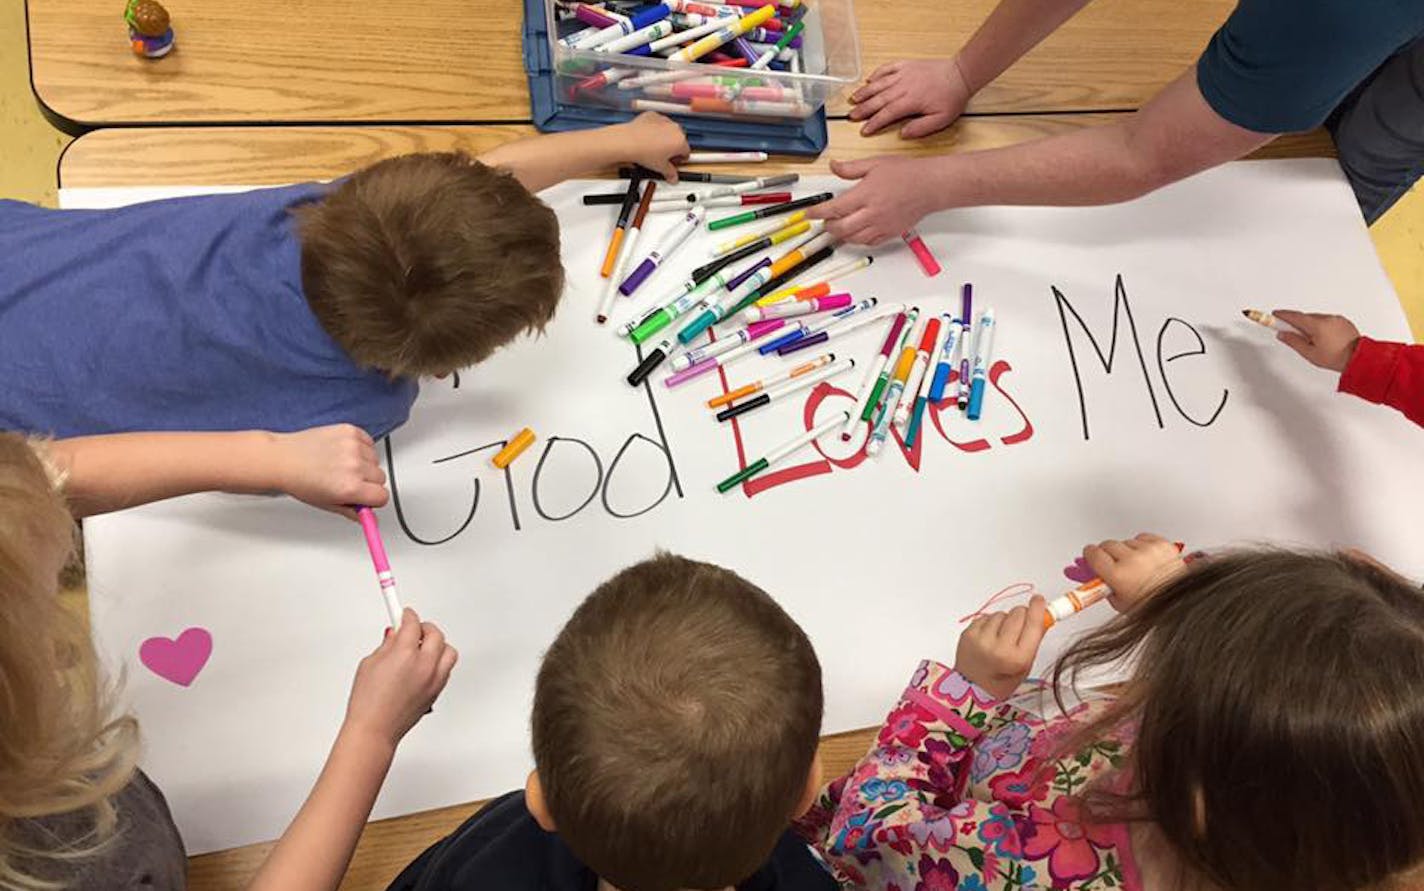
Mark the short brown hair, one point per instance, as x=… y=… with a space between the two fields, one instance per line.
x=675 y=722
x=1279 y=699
x=426 y=264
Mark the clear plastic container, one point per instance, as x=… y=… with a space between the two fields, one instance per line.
x=829 y=62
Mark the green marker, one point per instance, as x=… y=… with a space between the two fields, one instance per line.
x=782 y=451
x=765 y=58
x=774 y=210
x=661 y=318
x=889 y=368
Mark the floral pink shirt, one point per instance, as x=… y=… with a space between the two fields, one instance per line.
x=963 y=792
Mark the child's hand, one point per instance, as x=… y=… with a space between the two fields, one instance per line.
x=398 y=683
x=997 y=650
x=1133 y=567
x=930 y=92
x=1328 y=341
x=331 y=468
x=654 y=142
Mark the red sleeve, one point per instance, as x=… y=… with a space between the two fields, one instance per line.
x=1388 y=374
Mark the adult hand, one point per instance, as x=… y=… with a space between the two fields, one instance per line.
x=889 y=198
x=1133 y=568
x=1325 y=341
x=997 y=650
x=331 y=467
x=930 y=92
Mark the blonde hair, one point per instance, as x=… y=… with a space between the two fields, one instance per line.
x=62 y=752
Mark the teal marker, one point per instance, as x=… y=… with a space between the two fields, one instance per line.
x=660 y=318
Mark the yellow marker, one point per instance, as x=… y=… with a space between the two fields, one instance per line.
x=758 y=232
x=521 y=441
x=723 y=35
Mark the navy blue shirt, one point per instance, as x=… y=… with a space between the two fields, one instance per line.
x=1281 y=66
x=501 y=848
x=182 y=314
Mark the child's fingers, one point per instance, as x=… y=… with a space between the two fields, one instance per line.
x=1116 y=549
x=1303 y=321
x=1098 y=560
x=992 y=623
x=1013 y=625
x=1150 y=538
x=370 y=494
x=1295 y=341
x=408 y=634
x=448 y=658
x=1034 y=625
x=432 y=640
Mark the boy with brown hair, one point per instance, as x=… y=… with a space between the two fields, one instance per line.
x=278 y=310
x=675 y=724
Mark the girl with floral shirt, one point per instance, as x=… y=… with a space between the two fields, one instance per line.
x=1271 y=737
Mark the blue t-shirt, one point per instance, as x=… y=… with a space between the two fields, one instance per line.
x=182 y=314
x=1281 y=66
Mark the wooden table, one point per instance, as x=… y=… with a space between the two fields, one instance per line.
x=441 y=62
x=241 y=155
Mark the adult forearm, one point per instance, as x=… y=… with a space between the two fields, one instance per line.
x=1088 y=167
x=106 y=473
x=316 y=849
x=1173 y=136
x=1012 y=29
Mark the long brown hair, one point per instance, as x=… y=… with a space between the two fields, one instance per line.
x=1278 y=699
x=61 y=751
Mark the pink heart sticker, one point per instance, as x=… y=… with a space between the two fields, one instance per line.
x=178 y=660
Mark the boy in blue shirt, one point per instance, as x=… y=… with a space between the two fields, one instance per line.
x=281 y=310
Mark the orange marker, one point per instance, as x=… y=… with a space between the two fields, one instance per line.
x=515 y=447
x=758 y=386
x=625 y=213
x=1080 y=598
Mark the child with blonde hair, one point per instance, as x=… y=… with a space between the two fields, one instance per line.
x=75 y=812
x=1270 y=736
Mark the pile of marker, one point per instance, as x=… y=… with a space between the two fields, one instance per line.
x=781 y=301
x=734 y=34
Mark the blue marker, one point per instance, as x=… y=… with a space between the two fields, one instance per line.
x=983 y=345
x=946 y=359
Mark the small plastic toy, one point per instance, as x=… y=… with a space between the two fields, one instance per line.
x=150 y=29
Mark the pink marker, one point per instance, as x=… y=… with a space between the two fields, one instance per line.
x=367 y=517
x=922 y=252
x=787 y=309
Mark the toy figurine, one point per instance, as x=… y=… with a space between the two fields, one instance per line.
x=150 y=33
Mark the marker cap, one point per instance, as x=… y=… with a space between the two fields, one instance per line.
x=727 y=414
x=803 y=343
x=976 y=399
x=637 y=277
x=645 y=368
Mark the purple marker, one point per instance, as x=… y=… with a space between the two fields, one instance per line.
x=736 y=282
x=966 y=323
x=675 y=238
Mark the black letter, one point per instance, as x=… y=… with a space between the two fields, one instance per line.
x=1162 y=370
x=1120 y=304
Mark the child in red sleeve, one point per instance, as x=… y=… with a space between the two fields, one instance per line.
x=1383 y=373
